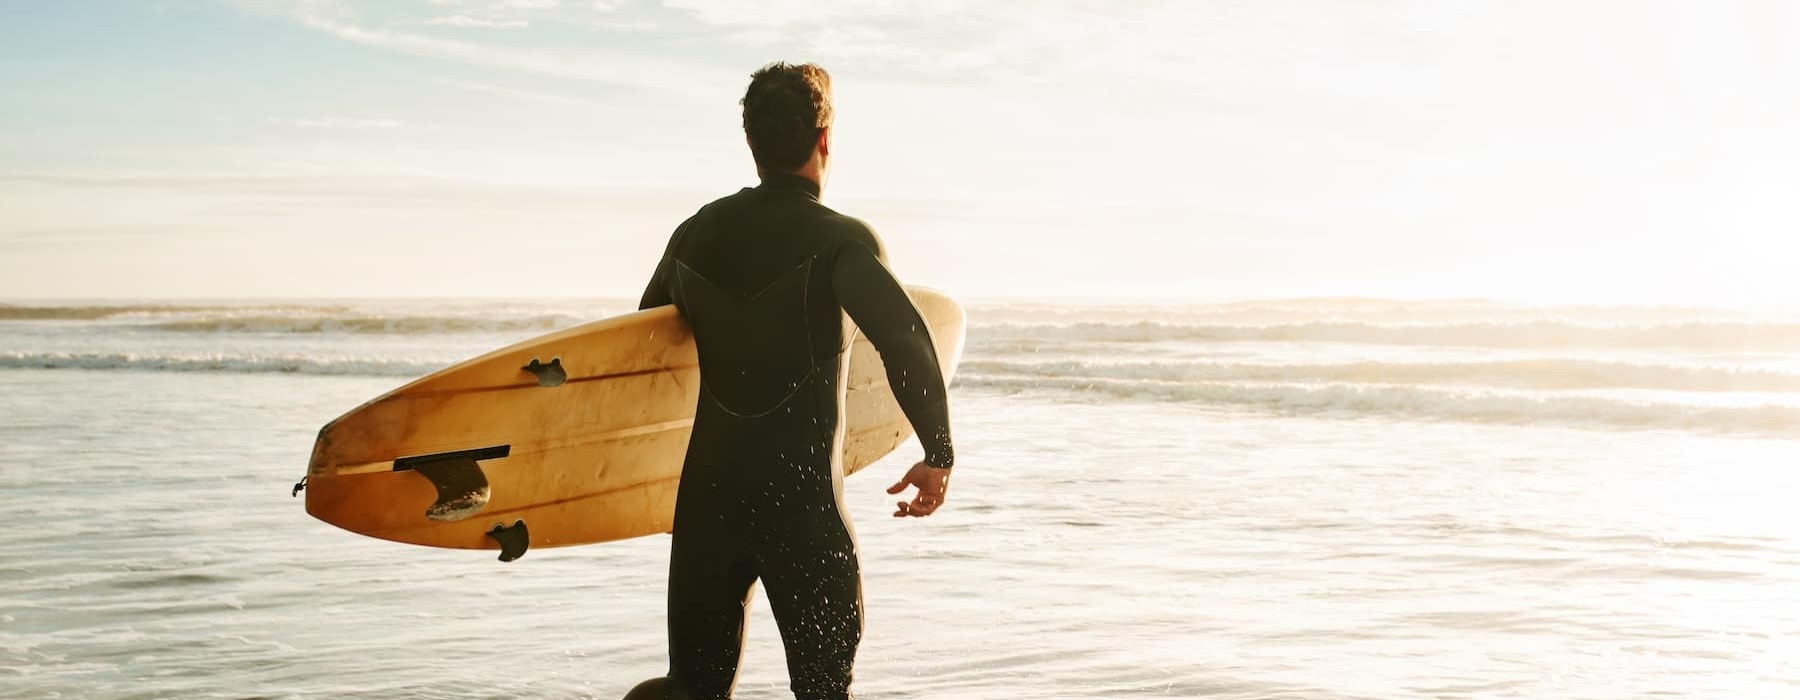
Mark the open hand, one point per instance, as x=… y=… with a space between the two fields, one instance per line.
x=932 y=484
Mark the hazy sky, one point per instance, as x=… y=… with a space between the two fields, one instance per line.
x=1593 y=151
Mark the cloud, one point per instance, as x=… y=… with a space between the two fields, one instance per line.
x=992 y=40
x=1165 y=42
x=625 y=25
x=784 y=13
x=531 y=95
x=526 y=4
x=467 y=21
x=340 y=123
x=592 y=64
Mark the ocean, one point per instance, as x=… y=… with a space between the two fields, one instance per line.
x=1313 y=498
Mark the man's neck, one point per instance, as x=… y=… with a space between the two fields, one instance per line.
x=809 y=170
x=799 y=180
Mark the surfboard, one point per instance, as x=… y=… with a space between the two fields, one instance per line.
x=575 y=437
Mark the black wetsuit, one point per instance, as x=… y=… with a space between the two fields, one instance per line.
x=763 y=276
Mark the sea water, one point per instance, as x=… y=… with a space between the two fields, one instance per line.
x=1327 y=498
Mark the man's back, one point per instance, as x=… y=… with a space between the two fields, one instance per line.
x=763 y=276
x=751 y=273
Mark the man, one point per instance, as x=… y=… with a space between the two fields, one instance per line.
x=764 y=277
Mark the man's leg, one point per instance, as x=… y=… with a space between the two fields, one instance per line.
x=664 y=688
x=710 y=579
x=814 y=586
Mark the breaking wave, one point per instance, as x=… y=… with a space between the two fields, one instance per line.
x=1733 y=335
x=387 y=318
x=10 y=312
x=371 y=324
x=1417 y=402
x=1007 y=329
x=340 y=366
x=1550 y=373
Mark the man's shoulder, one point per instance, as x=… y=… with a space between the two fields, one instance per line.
x=843 y=228
x=723 y=203
x=721 y=208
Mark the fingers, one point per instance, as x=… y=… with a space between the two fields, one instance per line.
x=919 y=507
x=931 y=487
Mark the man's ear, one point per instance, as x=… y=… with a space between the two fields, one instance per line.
x=825 y=141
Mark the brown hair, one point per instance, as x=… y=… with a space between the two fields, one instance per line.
x=784 y=110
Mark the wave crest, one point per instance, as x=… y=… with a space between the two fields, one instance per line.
x=1548 y=373
x=1421 y=403
x=370 y=324
x=9 y=312
x=1730 y=335
x=255 y=364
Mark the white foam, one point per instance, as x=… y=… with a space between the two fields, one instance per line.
x=1732 y=335
x=1544 y=373
x=220 y=363
x=363 y=323
x=1416 y=402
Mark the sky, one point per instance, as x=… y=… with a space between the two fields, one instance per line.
x=1638 y=151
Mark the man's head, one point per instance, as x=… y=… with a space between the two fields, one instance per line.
x=787 y=119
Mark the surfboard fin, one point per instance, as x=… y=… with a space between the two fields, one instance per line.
x=462 y=488
x=514 y=539
x=550 y=374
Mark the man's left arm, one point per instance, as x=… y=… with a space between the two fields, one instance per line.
x=657 y=293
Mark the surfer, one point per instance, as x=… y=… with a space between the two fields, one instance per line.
x=764 y=277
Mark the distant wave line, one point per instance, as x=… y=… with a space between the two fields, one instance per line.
x=372 y=324
x=253 y=364
x=1415 y=402
x=1724 y=335
x=1731 y=335
x=1301 y=398
x=1548 y=373
x=10 y=312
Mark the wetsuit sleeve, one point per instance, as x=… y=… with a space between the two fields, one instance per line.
x=868 y=291
x=657 y=292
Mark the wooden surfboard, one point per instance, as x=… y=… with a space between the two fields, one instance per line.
x=579 y=436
